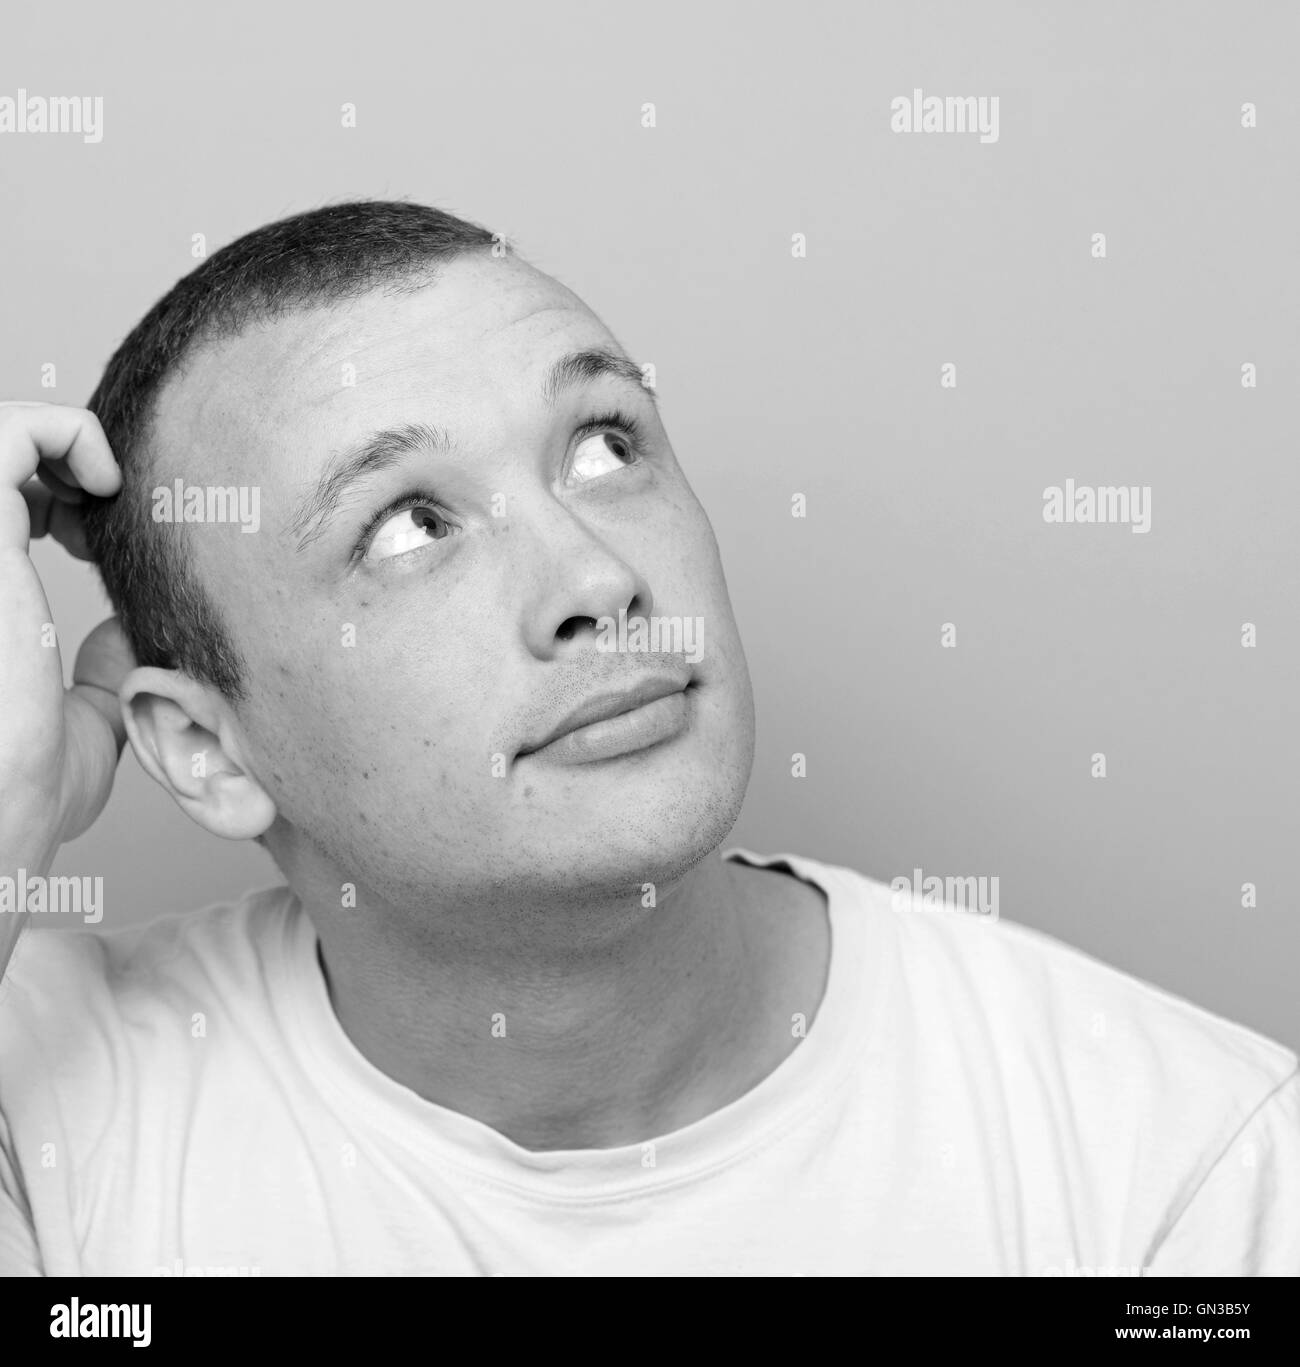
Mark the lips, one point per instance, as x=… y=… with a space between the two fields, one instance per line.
x=615 y=722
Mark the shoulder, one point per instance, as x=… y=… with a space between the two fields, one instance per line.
x=69 y=971
x=962 y=960
x=84 y=1010
x=1064 y=1048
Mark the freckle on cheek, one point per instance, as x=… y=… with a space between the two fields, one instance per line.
x=528 y=792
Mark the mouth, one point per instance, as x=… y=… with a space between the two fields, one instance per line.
x=617 y=723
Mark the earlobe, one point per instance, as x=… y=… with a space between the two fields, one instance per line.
x=186 y=739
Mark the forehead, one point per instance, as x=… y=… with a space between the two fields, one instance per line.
x=288 y=391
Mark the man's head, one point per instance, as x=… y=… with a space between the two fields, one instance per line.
x=458 y=478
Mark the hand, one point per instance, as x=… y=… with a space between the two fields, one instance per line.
x=58 y=747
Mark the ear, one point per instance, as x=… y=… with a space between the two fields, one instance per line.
x=185 y=736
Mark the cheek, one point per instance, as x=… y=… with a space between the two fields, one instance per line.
x=382 y=721
x=695 y=582
x=378 y=769
x=343 y=718
x=688 y=533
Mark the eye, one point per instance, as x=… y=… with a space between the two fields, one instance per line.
x=600 y=453
x=407 y=529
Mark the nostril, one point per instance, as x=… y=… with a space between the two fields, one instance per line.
x=569 y=629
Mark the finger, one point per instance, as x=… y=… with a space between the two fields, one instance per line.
x=49 y=475
x=103 y=662
x=68 y=528
x=38 y=499
x=30 y=434
x=50 y=516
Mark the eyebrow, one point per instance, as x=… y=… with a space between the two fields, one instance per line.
x=378 y=452
x=382 y=450
x=581 y=367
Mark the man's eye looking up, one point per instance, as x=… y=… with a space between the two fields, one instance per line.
x=416 y=521
x=600 y=453
x=408 y=529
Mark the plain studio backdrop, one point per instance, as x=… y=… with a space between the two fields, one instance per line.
x=819 y=374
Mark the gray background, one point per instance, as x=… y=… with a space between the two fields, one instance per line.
x=820 y=376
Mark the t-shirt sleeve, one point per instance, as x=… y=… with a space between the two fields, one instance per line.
x=19 y=1256
x=1244 y=1218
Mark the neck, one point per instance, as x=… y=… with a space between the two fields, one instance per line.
x=578 y=1039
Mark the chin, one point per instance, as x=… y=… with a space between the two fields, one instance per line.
x=625 y=839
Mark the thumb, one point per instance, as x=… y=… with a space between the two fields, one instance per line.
x=103 y=662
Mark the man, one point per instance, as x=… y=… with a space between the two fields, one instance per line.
x=511 y=1013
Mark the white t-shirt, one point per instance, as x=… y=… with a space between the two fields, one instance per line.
x=971 y=1098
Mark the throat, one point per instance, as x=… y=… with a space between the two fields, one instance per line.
x=702 y=1000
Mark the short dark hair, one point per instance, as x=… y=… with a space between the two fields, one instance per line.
x=320 y=257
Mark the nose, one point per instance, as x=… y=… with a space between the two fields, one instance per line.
x=578 y=579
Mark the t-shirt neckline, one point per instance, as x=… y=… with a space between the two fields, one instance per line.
x=367 y=1098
